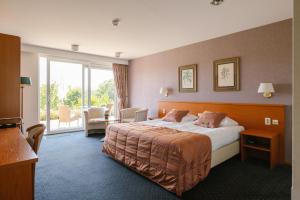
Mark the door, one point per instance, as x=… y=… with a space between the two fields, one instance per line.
x=61 y=95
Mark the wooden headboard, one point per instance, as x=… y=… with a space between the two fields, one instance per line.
x=251 y=116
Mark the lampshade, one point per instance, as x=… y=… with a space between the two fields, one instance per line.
x=164 y=91
x=25 y=81
x=265 y=87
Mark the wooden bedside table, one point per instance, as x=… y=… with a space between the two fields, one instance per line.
x=262 y=144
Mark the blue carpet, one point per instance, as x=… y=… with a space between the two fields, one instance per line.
x=72 y=167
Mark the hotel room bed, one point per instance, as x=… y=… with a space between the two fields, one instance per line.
x=177 y=156
x=224 y=140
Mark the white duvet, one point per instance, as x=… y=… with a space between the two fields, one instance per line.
x=219 y=136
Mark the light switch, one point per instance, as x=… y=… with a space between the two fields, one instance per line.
x=267 y=121
x=164 y=111
x=275 y=122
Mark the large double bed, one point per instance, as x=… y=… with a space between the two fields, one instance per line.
x=224 y=140
x=175 y=155
x=178 y=155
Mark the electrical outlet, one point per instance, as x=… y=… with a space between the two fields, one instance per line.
x=267 y=121
x=275 y=122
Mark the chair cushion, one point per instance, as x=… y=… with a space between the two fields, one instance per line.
x=96 y=112
x=95 y=121
x=128 y=120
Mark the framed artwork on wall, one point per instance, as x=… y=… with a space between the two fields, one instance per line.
x=227 y=74
x=187 y=78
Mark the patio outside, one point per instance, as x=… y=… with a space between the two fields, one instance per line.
x=66 y=111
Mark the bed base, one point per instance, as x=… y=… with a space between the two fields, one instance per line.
x=224 y=153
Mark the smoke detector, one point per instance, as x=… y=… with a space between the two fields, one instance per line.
x=75 y=47
x=216 y=2
x=115 y=22
x=118 y=54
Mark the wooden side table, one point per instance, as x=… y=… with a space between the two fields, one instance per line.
x=262 y=144
x=108 y=121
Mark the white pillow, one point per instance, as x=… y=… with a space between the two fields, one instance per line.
x=189 y=118
x=227 y=121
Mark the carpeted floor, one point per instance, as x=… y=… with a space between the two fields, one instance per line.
x=72 y=167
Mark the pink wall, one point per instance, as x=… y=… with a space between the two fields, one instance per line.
x=266 y=56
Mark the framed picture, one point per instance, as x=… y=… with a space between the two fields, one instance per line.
x=187 y=78
x=227 y=74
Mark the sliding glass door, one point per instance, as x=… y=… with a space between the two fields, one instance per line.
x=67 y=88
x=65 y=102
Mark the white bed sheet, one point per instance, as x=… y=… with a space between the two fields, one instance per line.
x=219 y=136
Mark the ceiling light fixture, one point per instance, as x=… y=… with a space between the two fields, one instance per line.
x=75 y=47
x=118 y=54
x=115 y=22
x=216 y=2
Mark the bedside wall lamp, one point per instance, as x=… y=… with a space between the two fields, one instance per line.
x=267 y=89
x=164 y=91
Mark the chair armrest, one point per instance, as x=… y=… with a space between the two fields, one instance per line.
x=86 y=116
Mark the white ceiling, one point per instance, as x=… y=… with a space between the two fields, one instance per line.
x=147 y=26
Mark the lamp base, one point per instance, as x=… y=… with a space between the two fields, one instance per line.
x=267 y=94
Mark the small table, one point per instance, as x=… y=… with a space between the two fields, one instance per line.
x=107 y=121
x=260 y=142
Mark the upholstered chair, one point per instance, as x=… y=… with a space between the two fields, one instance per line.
x=92 y=119
x=34 y=136
x=128 y=115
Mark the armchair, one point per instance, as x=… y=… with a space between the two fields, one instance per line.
x=133 y=115
x=34 y=136
x=92 y=119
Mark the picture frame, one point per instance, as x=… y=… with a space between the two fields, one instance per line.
x=227 y=74
x=187 y=78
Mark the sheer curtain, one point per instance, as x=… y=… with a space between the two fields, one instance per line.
x=120 y=77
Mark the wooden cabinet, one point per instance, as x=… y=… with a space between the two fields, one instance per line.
x=9 y=76
x=260 y=144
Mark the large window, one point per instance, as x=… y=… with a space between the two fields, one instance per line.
x=102 y=87
x=67 y=88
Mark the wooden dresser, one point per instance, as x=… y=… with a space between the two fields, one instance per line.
x=17 y=166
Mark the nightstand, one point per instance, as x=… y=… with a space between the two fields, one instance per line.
x=260 y=144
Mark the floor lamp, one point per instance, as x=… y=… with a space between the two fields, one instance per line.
x=25 y=81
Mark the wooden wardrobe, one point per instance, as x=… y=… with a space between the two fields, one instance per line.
x=10 y=53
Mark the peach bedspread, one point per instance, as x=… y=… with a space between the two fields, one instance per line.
x=174 y=159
